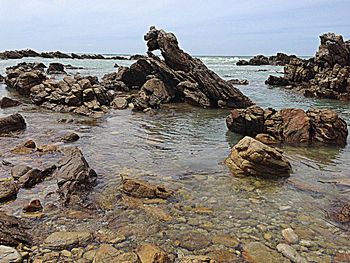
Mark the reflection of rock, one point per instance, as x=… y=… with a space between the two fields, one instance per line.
x=74 y=176
x=14 y=122
x=142 y=189
x=291 y=126
x=253 y=158
x=327 y=75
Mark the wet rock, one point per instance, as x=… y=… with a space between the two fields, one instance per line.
x=70 y=137
x=266 y=139
x=281 y=59
x=238 y=81
x=257 y=252
x=197 y=259
x=342 y=214
x=14 y=122
x=194 y=241
x=142 y=189
x=149 y=253
x=66 y=240
x=19 y=170
x=73 y=174
x=9 y=255
x=6 y=102
x=276 y=81
x=253 y=158
x=119 y=103
x=33 y=206
x=8 y=190
x=291 y=126
x=13 y=231
x=2 y=79
x=137 y=56
x=31 y=178
x=225 y=240
x=55 y=68
x=290 y=236
x=242 y=62
x=29 y=144
x=259 y=60
x=291 y=253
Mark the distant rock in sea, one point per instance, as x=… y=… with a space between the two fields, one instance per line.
x=280 y=59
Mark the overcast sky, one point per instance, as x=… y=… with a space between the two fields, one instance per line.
x=203 y=27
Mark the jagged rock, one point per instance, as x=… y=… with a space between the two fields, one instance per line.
x=56 y=68
x=9 y=255
x=6 y=102
x=74 y=176
x=258 y=252
x=33 y=206
x=149 y=253
x=238 y=81
x=327 y=75
x=13 y=231
x=185 y=78
x=291 y=126
x=30 y=144
x=281 y=59
x=253 y=158
x=142 y=189
x=66 y=240
x=14 y=122
x=8 y=190
x=259 y=60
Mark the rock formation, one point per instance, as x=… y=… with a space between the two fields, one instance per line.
x=56 y=68
x=290 y=126
x=280 y=59
x=327 y=75
x=14 y=122
x=250 y=157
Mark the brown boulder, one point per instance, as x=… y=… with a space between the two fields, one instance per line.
x=6 y=102
x=13 y=231
x=14 y=122
x=252 y=158
x=33 y=206
x=149 y=253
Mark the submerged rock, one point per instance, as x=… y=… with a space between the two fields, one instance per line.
x=327 y=75
x=291 y=253
x=141 y=189
x=255 y=252
x=291 y=126
x=14 y=122
x=13 y=231
x=252 y=158
x=6 y=102
x=74 y=176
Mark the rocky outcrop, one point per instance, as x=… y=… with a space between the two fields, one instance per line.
x=290 y=126
x=327 y=75
x=252 y=158
x=56 y=68
x=74 y=176
x=14 y=122
x=280 y=59
x=258 y=252
x=238 y=81
x=18 y=54
x=184 y=78
x=13 y=231
x=6 y=102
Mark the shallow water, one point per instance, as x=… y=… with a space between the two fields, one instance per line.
x=183 y=148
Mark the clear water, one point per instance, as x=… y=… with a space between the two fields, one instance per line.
x=183 y=147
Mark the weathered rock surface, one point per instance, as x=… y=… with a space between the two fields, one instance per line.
x=255 y=252
x=141 y=189
x=327 y=75
x=291 y=126
x=74 y=176
x=8 y=190
x=253 y=158
x=238 y=81
x=13 y=231
x=66 y=240
x=56 y=68
x=177 y=78
x=6 y=102
x=9 y=255
x=149 y=253
x=14 y=122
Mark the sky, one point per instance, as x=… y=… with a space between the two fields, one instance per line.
x=220 y=27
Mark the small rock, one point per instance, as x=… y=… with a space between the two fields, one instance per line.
x=70 y=137
x=291 y=253
x=290 y=236
x=14 y=122
x=33 y=206
x=66 y=240
x=9 y=255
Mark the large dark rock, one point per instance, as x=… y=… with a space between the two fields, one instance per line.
x=6 y=102
x=281 y=59
x=56 y=68
x=74 y=176
x=185 y=78
x=13 y=231
x=14 y=122
x=290 y=126
x=327 y=75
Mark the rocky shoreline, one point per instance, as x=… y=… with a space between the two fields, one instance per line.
x=61 y=230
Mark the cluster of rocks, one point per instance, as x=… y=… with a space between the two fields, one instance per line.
x=29 y=53
x=327 y=75
x=290 y=126
x=280 y=59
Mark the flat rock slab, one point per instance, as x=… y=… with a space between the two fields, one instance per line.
x=66 y=240
x=256 y=252
x=9 y=254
